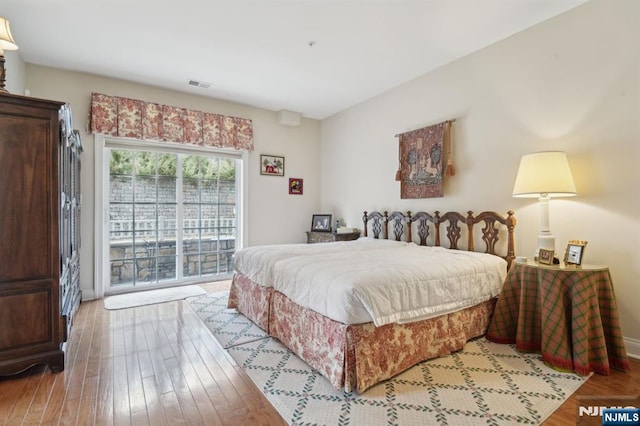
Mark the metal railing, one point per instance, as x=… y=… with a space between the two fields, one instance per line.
x=123 y=229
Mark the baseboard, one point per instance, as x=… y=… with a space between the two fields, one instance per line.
x=633 y=347
x=88 y=294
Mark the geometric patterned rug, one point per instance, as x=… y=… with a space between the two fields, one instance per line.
x=228 y=326
x=484 y=384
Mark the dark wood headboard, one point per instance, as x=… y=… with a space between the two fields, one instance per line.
x=423 y=227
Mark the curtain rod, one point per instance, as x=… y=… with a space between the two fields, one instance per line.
x=446 y=121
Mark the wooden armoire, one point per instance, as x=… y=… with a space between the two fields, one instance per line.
x=39 y=232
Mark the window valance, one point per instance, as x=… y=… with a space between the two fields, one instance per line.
x=131 y=118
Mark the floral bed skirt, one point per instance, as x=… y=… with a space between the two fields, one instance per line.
x=251 y=300
x=356 y=357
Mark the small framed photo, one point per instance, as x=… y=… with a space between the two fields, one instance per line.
x=295 y=186
x=575 y=252
x=271 y=165
x=545 y=256
x=321 y=223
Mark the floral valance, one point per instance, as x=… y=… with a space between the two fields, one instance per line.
x=131 y=118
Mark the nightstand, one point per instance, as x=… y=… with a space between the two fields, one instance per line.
x=329 y=237
x=568 y=313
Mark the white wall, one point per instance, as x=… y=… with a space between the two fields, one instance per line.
x=570 y=84
x=274 y=216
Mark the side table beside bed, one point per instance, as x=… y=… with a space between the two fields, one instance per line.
x=329 y=237
x=568 y=313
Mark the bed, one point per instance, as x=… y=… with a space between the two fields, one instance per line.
x=363 y=311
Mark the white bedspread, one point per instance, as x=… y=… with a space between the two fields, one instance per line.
x=405 y=284
x=383 y=281
x=257 y=262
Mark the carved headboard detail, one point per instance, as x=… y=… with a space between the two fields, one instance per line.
x=424 y=227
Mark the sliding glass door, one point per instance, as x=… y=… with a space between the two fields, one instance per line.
x=172 y=217
x=209 y=198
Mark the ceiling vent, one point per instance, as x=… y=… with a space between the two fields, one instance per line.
x=200 y=84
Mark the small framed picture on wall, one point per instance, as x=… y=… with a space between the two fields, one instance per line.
x=271 y=165
x=295 y=186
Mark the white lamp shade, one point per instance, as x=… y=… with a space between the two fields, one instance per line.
x=544 y=174
x=6 y=39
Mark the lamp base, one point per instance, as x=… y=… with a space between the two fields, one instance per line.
x=545 y=241
x=3 y=72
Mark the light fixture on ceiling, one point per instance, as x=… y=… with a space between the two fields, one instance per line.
x=544 y=175
x=6 y=43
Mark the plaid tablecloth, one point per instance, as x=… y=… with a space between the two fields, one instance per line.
x=568 y=314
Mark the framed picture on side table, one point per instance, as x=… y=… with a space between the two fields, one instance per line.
x=545 y=256
x=575 y=252
x=321 y=223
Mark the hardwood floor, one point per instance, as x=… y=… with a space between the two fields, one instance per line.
x=151 y=365
x=618 y=383
x=159 y=365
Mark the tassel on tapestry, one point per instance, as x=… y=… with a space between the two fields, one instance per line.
x=399 y=171
x=421 y=161
x=450 y=170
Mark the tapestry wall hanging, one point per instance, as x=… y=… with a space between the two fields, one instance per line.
x=421 y=161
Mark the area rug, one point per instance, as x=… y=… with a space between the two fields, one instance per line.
x=151 y=297
x=486 y=383
x=228 y=326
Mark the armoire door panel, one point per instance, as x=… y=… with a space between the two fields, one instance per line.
x=25 y=210
x=20 y=327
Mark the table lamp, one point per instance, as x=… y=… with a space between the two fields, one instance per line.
x=544 y=175
x=6 y=43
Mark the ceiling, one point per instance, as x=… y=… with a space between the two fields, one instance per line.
x=315 y=57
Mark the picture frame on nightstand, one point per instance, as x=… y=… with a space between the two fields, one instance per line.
x=545 y=257
x=575 y=252
x=321 y=223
